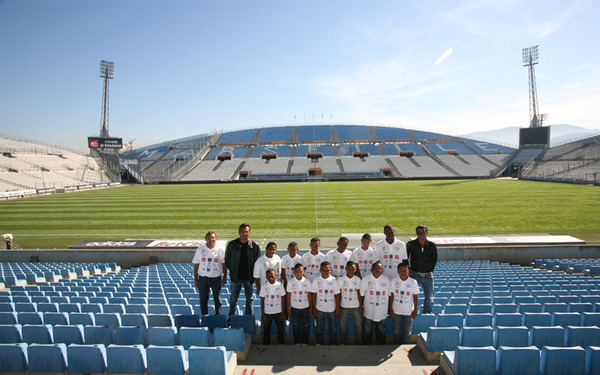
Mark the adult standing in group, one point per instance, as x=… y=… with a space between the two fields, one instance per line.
x=338 y=258
x=391 y=251
x=240 y=256
x=209 y=264
x=423 y=257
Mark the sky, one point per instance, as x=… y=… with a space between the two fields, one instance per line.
x=186 y=67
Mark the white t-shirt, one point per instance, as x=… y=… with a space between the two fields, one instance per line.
x=377 y=294
x=288 y=263
x=263 y=263
x=349 y=289
x=403 y=291
x=364 y=259
x=210 y=261
x=325 y=289
x=313 y=265
x=391 y=255
x=338 y=262
x=298 y=291
x=272 y=294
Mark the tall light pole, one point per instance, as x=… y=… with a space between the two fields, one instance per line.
x=531 y=58
x=107 y=70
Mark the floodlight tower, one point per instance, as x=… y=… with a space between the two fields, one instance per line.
x=107 y=70
x=531 y=58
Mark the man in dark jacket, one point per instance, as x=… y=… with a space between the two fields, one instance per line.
x=423 y=257
x=240 y=256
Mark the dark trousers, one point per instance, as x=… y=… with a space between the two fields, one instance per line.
x=206 y=284
x=300 y=325
x=267 y=322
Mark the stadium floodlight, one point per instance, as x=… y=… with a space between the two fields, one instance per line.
x=531 y=56
x=107 y=71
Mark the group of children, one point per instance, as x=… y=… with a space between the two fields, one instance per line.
x=340 y=283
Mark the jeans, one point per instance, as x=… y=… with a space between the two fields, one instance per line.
x=269 y=318
x=402 y=329
x=355 y=313
x=236 y=287
x=214 y=284
x=328 y=317
x=368 y=326
x=300 y=325
x=427 y=285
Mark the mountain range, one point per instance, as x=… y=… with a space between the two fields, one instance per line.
x=509 y=136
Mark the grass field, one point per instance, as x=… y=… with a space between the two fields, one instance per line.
x=284 y=210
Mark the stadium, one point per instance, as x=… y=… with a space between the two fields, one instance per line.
x=503 y=295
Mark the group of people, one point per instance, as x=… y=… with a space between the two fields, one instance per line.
x=367 y=284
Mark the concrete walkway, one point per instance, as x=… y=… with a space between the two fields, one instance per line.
x=335 y=359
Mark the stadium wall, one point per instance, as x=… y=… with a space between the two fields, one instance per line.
x=522 y=255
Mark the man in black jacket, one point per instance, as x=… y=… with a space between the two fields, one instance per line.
x=240 y=256
x=423 y=257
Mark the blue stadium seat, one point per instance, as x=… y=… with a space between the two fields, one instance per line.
x=233 y=339
x=452 y=308
x=476 y=336
x=195 y=336
x=546 y=336
x=129 y=335
x=13 y=358
x=564 y=319
x=98 y=335
x=126 y=359
x=422 y=322
x=8 y=317
x=167 y=360
x=190 y=320
x=471 y=361
x=579 y=336
x=530 y=308
x=162 y=336
x=537 y=319
x=86 y=359
x=560 y=360
x=68 y=334
x=505 y=308
x=555 y=307
x=508 y=320
x=25 y=307
x=450 y=320
x=210 y=361
x=483 y=308
x=479 y=320
x=54 y=318
x=134 y=319
x=112 y=320
x=47 y=307
x=11 y=333
x=37 y=334
x=136 y=309
x=85 y=319
x=214 y=321
x=30 y=318
x=91 y=308
x=439 y=339
x=247 y=322
x=590 y=319
x=47 y=358
x=511 y=336
x=581 y=307
x=160 y=320
x=512 y=360
x=592 y=360
x=116 y=308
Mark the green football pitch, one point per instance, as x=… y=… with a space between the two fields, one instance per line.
x=303 y=210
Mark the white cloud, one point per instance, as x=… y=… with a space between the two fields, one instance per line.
x=444 y=56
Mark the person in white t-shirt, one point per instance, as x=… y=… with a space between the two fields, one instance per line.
x=391 y=252
x=209 y=264
x=313 y=259
x=272 y=297
x=350 y=304
x=269 y=260
x=289 y=261
x=364 y=256
x=375 y=291
x=325 y=294
x=404 y=301
x=339 y=257
x=298 y=305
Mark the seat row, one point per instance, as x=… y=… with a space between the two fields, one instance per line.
x=438 y=339
x=115 y=359
x=525 y=360
x=511 y=307
x=232 y=338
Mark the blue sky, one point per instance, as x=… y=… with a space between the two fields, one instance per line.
x=190 y=67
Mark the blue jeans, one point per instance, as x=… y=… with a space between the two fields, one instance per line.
x=328 y=317
x=204 y=285
x=236 y=287
x=368 y=326
x=300 y=325
x=355 y=313
x=427 y=285
x=402 y=329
